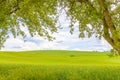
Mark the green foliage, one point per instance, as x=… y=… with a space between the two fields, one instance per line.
x=41 y=16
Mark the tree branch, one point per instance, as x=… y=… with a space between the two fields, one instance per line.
x=88 y=2
x=16 y=7
x=107 y=16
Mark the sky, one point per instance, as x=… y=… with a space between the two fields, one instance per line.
x=64 y=41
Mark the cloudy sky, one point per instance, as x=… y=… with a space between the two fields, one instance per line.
x=64 y=41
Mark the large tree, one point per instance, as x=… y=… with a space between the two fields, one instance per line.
x=41 y=16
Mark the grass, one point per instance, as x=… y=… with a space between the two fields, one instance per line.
x=58 y=65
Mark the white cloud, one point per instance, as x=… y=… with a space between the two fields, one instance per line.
x=30 y=46
x=13 y=44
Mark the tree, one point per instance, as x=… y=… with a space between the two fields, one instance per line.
x=41 y=17
x=38 y=15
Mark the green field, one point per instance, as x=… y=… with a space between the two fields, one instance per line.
x=58 y=65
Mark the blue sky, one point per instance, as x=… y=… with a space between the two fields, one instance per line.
x=64 y=41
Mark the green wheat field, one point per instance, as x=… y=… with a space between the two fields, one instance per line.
x=59 y=65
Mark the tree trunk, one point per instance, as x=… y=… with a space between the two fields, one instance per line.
x=108 y=38
x=109 y=29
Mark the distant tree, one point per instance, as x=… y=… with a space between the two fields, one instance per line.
x=41 y=16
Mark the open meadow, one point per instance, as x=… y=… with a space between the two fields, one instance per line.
x=58 y=65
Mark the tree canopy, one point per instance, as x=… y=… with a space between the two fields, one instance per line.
x=41 y=16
